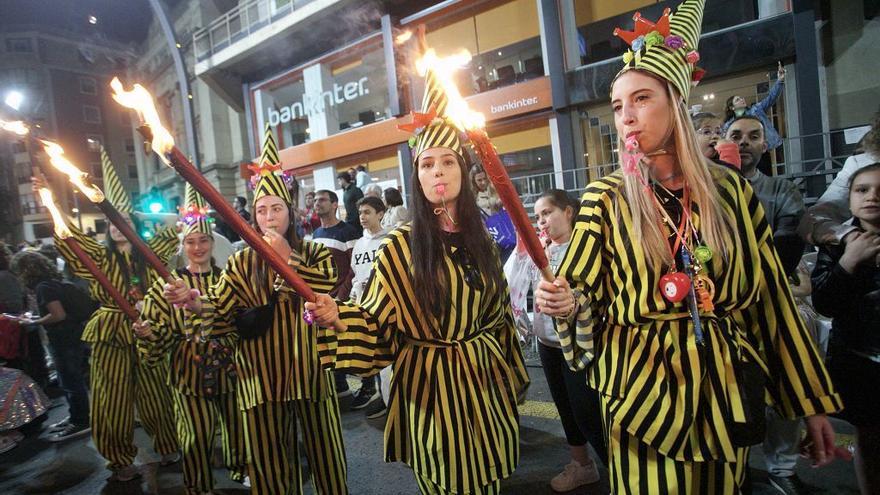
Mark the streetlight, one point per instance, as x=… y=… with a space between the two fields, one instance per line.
x=14 y=99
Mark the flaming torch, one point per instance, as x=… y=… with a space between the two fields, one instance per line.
x=14 y=126
x=64 y=233
x=161 y=141
x=95 y=195
x=473 y=124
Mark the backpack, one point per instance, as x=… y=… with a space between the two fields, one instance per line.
x=78 y=304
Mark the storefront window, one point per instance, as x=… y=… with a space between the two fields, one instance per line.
x=504 y=41
x=528 y=158
x=595 y=22
x=342 y=92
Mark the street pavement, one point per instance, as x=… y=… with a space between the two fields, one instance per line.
x=37 y=466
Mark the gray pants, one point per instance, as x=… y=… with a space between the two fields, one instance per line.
x=781 y=443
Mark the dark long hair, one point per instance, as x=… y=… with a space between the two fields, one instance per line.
x=562 y=200
x=728 y=112
x=427 y=246
x=262 y=267
x=138 y=263
x=32 y=268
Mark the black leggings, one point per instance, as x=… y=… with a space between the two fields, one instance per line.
x=577 y=403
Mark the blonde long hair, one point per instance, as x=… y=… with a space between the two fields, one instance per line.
x=716 y=229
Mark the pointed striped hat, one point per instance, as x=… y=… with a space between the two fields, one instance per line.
x=194 y=213
x=113 y=190
x=267 y=179
x=667 y=48
x=431 y=129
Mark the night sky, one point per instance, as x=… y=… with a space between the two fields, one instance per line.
x=119 y=20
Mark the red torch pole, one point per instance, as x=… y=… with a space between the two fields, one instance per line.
x=510 y=198
x=186 y=169
x=125 y=229
x=102 y=279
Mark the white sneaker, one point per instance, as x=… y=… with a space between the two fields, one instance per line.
x=573 y=476
x=246 y=482
x=127 y=473
x=169 y=459
x=56 y=427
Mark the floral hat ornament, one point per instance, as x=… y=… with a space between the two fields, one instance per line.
x=667 y=48
x=194 y=213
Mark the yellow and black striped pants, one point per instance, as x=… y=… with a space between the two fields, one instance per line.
x=119 y=380
x=636 y=468
x=274 y=452
x=428 y=487
x=197 y=420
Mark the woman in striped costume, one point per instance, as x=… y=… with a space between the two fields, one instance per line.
x=280 y=379
x=200 y=360
x=437 y=309
x=118 y=378
x=680 y=310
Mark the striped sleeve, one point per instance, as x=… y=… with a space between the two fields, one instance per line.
x=800 y=383
x=316 y=266
x=500 y=320
x=367 y=345
x=164 y=244
x=93 y=248
x=582 y=267
x=157 y=311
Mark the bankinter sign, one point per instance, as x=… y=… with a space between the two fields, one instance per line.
x=317 y=103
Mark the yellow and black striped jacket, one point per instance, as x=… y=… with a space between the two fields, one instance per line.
x=665 y=389
x=452 y=415
x=109 y=324
x=283 y=364
x=187 y=348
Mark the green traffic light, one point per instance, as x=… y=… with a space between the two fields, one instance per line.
x=155 y=207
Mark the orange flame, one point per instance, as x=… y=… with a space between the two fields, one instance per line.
x=57 y=218
x=141 y=101
x=76 y=176
x=403 y=37
x=14 y=126
x=457 y=109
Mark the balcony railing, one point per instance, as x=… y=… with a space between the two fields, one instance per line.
x=239 y=23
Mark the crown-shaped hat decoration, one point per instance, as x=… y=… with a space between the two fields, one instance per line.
x=266 y=179
x=668 y=47
x=431 y=129
x=194 y=213
x=113 y=189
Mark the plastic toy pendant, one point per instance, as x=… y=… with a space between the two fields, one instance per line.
x=702 y=253
x=674 y=286
x=705 y=290
x=308 y=317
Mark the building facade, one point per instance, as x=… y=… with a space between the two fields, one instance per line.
x=64 y=82
x=333 y=80
x=219 y=127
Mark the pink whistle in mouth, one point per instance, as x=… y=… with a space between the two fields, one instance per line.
x=631 y=144
x=441 y=189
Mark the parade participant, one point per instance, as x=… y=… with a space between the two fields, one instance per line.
x=578 y=405
x=280 y=379
x=846 y=287
x=436 y=307
x=200 y=360
x=114 y=360
x=680 y=305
